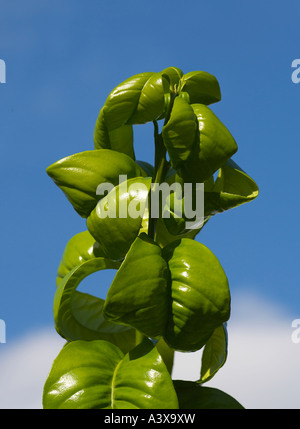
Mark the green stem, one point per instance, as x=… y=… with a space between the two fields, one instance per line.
x=161 y=167
x=161 y=164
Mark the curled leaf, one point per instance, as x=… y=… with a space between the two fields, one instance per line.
x=77 y=315
x=80 y=175
x=118 y=217
x=118 y=139
x=180 y=132
x=232 y=188
x=201 y=86
x=214 y=354
x=213 y=147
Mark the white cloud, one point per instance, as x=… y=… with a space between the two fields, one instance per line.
x=24 y=367
x=262 y=369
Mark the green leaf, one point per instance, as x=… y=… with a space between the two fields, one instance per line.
x=173 y=74
x=200 y=294
x=180 y=293
x=201 y=86
x=79 y=249
x=123 y=101
x=193 y=396
x=77 y=315
x=79 y=175
x=152 y=101
x=97 y=375
x=119 y=139
x=138 y=294
x=118 y=217
x=140 y=99
x=215 y=145
x=214 y=354
x=179 y=134
x=232 y=188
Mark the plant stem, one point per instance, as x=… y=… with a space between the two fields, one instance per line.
x=161 y=166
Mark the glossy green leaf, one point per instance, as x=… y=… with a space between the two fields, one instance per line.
x=79 y=175
x=97 y=375
x=179 y=134
x=123 y=101
x=138 y=294
x=183 y=300
x=173 y=74
x=78 y=315
x=232 y=188
x=153 y=100
x=117 y=219
x=80 y=248
x=141 y=98
x=202 y=87
x=118 y=139
x=200 y=294
x=214 y=354
x=193 y=396
x=214 y=146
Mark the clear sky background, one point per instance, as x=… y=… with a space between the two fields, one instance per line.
x=63 y=58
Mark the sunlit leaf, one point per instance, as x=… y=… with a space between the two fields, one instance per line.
x=97 y=375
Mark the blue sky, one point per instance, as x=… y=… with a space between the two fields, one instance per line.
x=62 y=60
